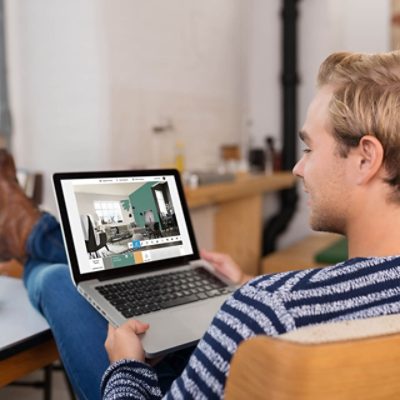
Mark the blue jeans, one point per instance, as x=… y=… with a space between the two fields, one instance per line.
x=79 y=330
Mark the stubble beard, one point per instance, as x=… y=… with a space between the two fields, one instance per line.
x=327 y=220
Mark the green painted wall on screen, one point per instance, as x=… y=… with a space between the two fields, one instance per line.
x=143 y=200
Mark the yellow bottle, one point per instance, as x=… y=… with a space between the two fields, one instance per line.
x=179 y=156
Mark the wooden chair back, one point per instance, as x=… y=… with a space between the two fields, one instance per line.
x=349 y=369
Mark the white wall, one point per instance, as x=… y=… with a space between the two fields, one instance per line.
x=178 y=60
x=57 y=86
x=90 y=79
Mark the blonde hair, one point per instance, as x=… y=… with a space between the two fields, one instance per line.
x=366 y=101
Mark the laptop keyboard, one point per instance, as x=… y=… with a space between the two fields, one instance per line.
x=145 y=295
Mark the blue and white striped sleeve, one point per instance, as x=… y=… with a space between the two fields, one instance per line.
x=127 y=379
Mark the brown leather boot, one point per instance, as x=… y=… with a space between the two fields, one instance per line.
x=18 y=214
x=7 y=166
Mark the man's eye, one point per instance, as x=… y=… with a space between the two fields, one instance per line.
x=306 y=151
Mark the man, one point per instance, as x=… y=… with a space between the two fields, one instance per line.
x=350 y=172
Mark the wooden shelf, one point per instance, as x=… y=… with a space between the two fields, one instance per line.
x=243 y=186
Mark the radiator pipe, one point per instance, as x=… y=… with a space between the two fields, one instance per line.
x=278 y=223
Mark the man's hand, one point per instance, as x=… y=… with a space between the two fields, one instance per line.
x=124 y=342
x=225 y=265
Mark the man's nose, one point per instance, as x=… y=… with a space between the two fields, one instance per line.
x=298 y=169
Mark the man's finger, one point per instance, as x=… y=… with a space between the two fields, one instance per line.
x=137 y=326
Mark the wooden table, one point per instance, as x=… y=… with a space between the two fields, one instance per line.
x=238 y=214
x=38 y=354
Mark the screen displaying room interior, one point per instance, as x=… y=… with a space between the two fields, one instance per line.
x=126 y=221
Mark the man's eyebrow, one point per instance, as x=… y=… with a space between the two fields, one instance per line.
x=304 y=136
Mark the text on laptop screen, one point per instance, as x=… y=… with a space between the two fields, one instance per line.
x=125 y=221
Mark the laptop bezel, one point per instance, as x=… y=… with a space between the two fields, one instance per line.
x=137 y=268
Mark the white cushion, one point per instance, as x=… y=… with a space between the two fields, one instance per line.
x=345 y=330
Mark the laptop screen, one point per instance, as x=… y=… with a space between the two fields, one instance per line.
x=125 y=221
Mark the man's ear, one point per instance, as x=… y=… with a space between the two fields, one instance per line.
x=369 y=158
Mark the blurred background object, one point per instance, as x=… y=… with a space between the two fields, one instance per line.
x=32 y=184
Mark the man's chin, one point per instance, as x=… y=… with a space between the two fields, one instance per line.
x=319 y=224
x=323 y=226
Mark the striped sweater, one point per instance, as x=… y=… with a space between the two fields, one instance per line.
x=271 y=305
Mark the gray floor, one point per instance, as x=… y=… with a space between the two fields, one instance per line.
x=59 y=388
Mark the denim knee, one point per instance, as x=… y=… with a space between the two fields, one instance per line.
x=40 y=278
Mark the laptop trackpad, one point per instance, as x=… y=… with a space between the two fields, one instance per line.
x=178 y=328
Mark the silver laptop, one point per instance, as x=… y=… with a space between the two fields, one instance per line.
x=132 y=254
